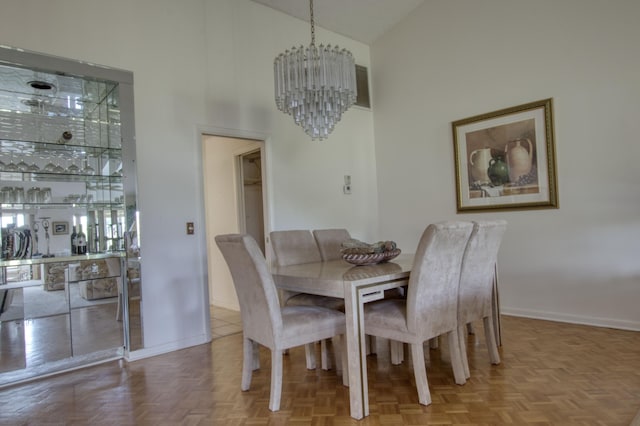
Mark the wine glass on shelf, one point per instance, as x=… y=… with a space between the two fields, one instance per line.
x=87 y=169
x=11 y=167
x=33 y=167
x=22 y=165
x=50 y=167
x=58 y=168
x=72 y=169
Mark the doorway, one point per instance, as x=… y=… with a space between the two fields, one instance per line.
x=235 y=200
x=250 y=196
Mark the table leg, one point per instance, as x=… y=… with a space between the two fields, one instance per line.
x=356 y=353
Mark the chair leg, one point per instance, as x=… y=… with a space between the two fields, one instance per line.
x=276 y=380
x=247 y=363
x=462 y=339
x=310 y=354
x=370 y=344
x=420 y=373
x=397 y=352
x=337 y=342
x=325 y=360
x=256 y=356
x=470 y=329
x=456 y=359
x=490 y=338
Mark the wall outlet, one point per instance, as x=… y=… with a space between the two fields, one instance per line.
x=346 y=189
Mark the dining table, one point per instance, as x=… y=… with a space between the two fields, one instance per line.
x=357 y=285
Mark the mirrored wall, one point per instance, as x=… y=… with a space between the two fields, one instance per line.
x=70 y=284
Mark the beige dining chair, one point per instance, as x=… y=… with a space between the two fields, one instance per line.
x=330 y=244
x=430 y=309
x=330 y=241
x=475 y=297
x=293 y=247
x=264 y=321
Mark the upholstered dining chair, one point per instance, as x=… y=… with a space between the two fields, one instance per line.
x=476 y=285
x=330 y=244
x=264 y=321
x=330 y=241
x=430 y=309
x=293 y=247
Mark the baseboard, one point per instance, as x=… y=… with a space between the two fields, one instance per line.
x=166 y=348
x=225 y=304
x=573 y=319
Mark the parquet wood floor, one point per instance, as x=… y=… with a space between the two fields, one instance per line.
x=551 y=374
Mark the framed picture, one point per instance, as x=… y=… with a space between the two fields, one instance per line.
x=60 y=228
x=506 y=159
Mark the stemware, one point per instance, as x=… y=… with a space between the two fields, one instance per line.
x=33 y=168
x=22 y=166
x=58 y=168
x=11 y=167
x=87 y=169
x=50 y=167
x=72 y=168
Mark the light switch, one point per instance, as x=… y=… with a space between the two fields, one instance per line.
x=190 y=228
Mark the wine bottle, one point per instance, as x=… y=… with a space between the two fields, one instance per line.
x=96 y=240
x=90 y=239
x=82 y=241
x=74 y=241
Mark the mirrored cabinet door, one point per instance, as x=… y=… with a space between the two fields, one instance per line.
x=70 y=285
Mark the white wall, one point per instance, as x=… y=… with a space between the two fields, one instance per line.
x=455 y=59
x=199 y=64
x=307 y=177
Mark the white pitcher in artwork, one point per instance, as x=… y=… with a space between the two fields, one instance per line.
x=479 y=161
x=519 y=158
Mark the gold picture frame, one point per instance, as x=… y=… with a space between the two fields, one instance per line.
x=59 y=228
x=506 y=159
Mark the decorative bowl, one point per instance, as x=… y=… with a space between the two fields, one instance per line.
x=370 y=258
x=364 y=259
x=391 y=254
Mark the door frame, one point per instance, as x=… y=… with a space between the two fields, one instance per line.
x=240 y=189
x=201 y=132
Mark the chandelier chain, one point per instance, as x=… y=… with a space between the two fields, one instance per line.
x=313 y=26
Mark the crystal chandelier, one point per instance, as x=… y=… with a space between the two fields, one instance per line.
x=315 y=85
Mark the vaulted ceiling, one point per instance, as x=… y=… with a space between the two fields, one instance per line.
x=362 y=20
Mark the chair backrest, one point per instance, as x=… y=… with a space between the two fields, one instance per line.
x=432 y=298
x=257 y=294
x=293 y=247
x=330 y=242
x=478 y=269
